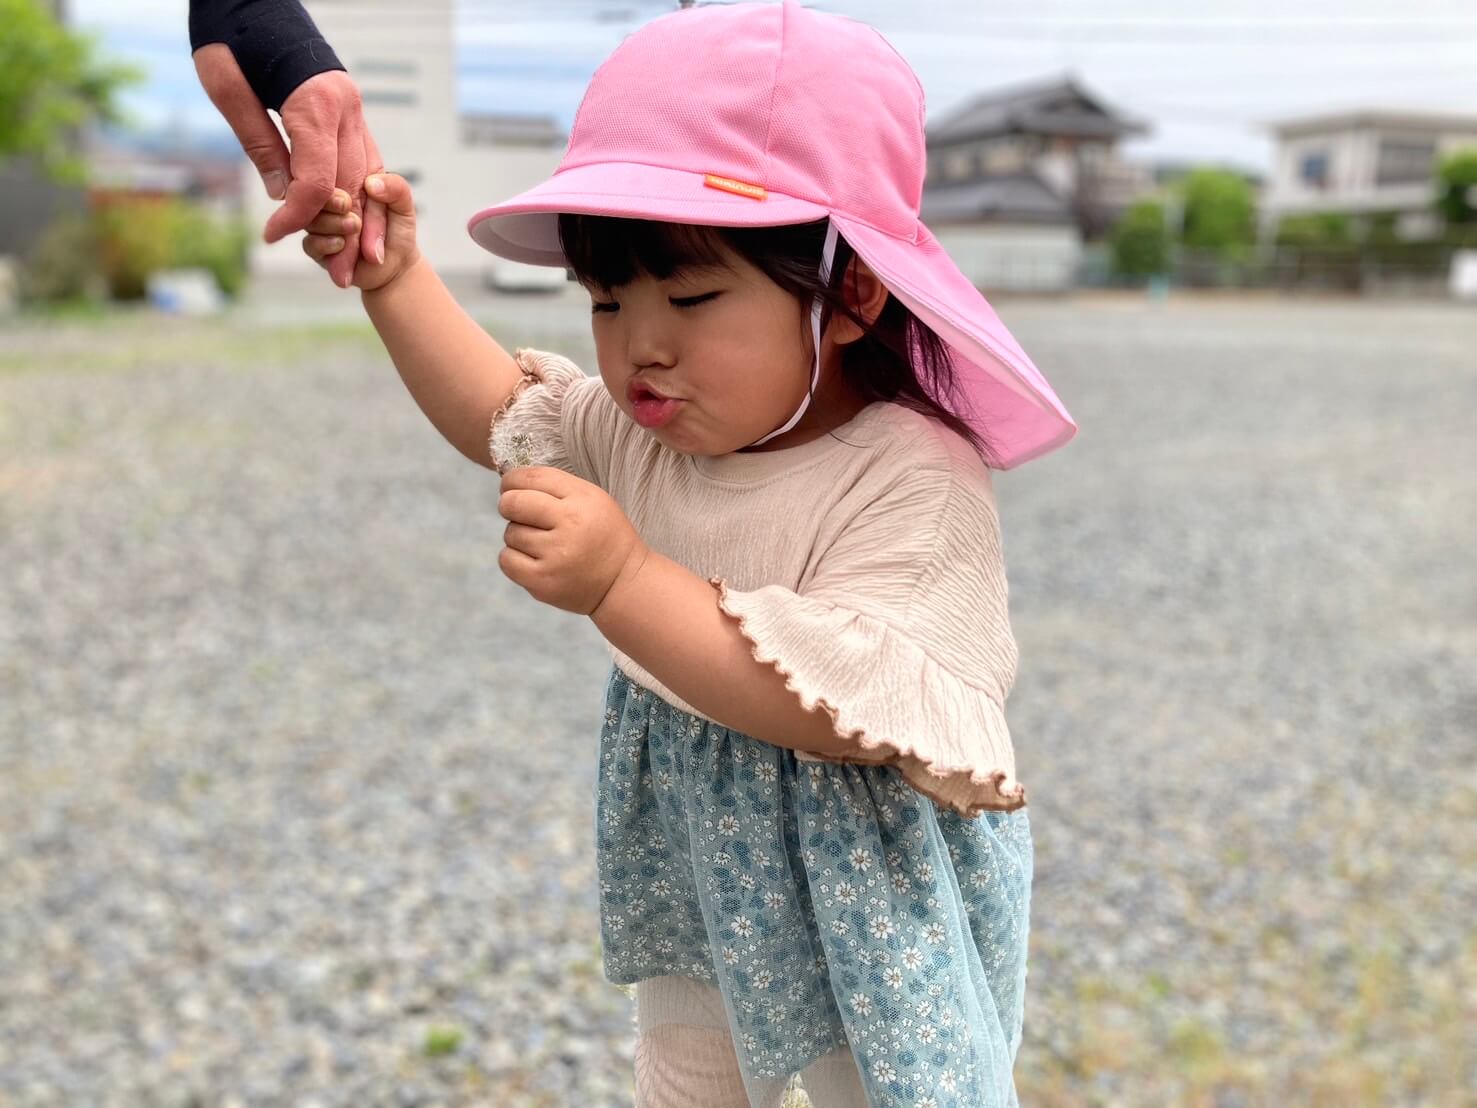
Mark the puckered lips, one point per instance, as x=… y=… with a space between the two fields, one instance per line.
x=652 y=407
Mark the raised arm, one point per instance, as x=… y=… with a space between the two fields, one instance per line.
x=455 y=370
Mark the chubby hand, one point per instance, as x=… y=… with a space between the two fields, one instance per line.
x=568 y=542
x=338 y=222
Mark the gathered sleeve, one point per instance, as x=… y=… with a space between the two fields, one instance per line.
x=902 y=635
x=556 y=416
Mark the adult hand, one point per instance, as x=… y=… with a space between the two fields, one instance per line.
x=330 y=147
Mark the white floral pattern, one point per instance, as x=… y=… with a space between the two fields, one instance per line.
x=831 y=904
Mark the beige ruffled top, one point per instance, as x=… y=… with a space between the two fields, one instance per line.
x=868 y=571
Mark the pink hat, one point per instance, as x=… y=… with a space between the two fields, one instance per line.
x=756 y=115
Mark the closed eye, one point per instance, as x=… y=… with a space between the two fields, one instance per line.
x=675 y=301
x=694 y=301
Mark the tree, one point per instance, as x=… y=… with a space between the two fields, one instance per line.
x=1456 y=186
x=1220 y=211
x=51 y=82
x=1139 y=241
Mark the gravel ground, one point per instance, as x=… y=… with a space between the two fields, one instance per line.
x=296 y=789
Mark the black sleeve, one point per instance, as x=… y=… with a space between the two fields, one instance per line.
x=276 y=43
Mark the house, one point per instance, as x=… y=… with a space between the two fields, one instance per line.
x=404 y=61
x=1020 y=177
x=124 y=165
x=1363 y=163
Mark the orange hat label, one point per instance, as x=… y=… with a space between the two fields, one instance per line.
x=741 y=188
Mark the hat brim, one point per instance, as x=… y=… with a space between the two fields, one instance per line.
x=999 y=391
x=525 y=228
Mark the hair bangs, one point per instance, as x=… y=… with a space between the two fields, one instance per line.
x=606 y=252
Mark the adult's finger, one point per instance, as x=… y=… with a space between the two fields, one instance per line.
x=310 y=117
x=221 y=77
x=314 y=156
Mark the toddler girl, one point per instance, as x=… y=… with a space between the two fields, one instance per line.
x=775 y=503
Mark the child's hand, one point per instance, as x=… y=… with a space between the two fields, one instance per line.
x=568 y=542
x=325 y=235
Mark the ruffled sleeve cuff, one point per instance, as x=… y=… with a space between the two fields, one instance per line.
x=528 y=430
x=947 y=736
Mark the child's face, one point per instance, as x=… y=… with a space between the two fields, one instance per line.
x=739 y=361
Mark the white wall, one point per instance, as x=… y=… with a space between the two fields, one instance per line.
x=1353 y=154
x=400 y=52
x=1017 y=258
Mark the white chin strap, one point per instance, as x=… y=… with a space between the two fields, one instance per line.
x=828 y=255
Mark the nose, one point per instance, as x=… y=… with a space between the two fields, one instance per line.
x=648 y=344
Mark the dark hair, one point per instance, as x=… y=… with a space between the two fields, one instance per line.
x=605 y=252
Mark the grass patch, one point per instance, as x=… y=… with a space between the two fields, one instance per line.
x=441 y=1041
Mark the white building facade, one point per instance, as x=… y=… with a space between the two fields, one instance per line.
x=403 y=58
x=1362 y=163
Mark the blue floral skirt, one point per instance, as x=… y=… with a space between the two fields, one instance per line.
x=831 y=904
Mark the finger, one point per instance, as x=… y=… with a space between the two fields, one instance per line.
x=229 y=91
x=314 y=161
x=372 y=238
x=529 y=506
x=516 y=565
x=350 y=178
x=392 y=190
x=536 y=476
x=527 y=540
x=331 y=223
x=322 y=247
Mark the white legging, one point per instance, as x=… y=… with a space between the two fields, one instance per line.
x=685 y=1056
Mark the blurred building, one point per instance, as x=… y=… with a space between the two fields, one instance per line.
x=1019 y=178
x=1364 y=163
x=403 y=58
x=124 y=165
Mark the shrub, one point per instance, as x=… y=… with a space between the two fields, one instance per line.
x=1456 y=184
x=138 y=238
x=1139 y=241
x=1318 y=229
x=62 y=265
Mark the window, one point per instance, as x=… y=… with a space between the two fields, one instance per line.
x=1404 y=161
x=388 y=96
x=959 y=165
x=1313 y=169
x=1004 y=155
x=384 y=67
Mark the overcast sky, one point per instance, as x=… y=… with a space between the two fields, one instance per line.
x=1207 y=76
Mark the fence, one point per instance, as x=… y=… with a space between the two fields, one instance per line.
x=1420 y=269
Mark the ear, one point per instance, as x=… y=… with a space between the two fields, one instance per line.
x=866 y=294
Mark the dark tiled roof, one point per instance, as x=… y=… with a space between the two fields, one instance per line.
x=1059 y=107
x=1018 y=198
